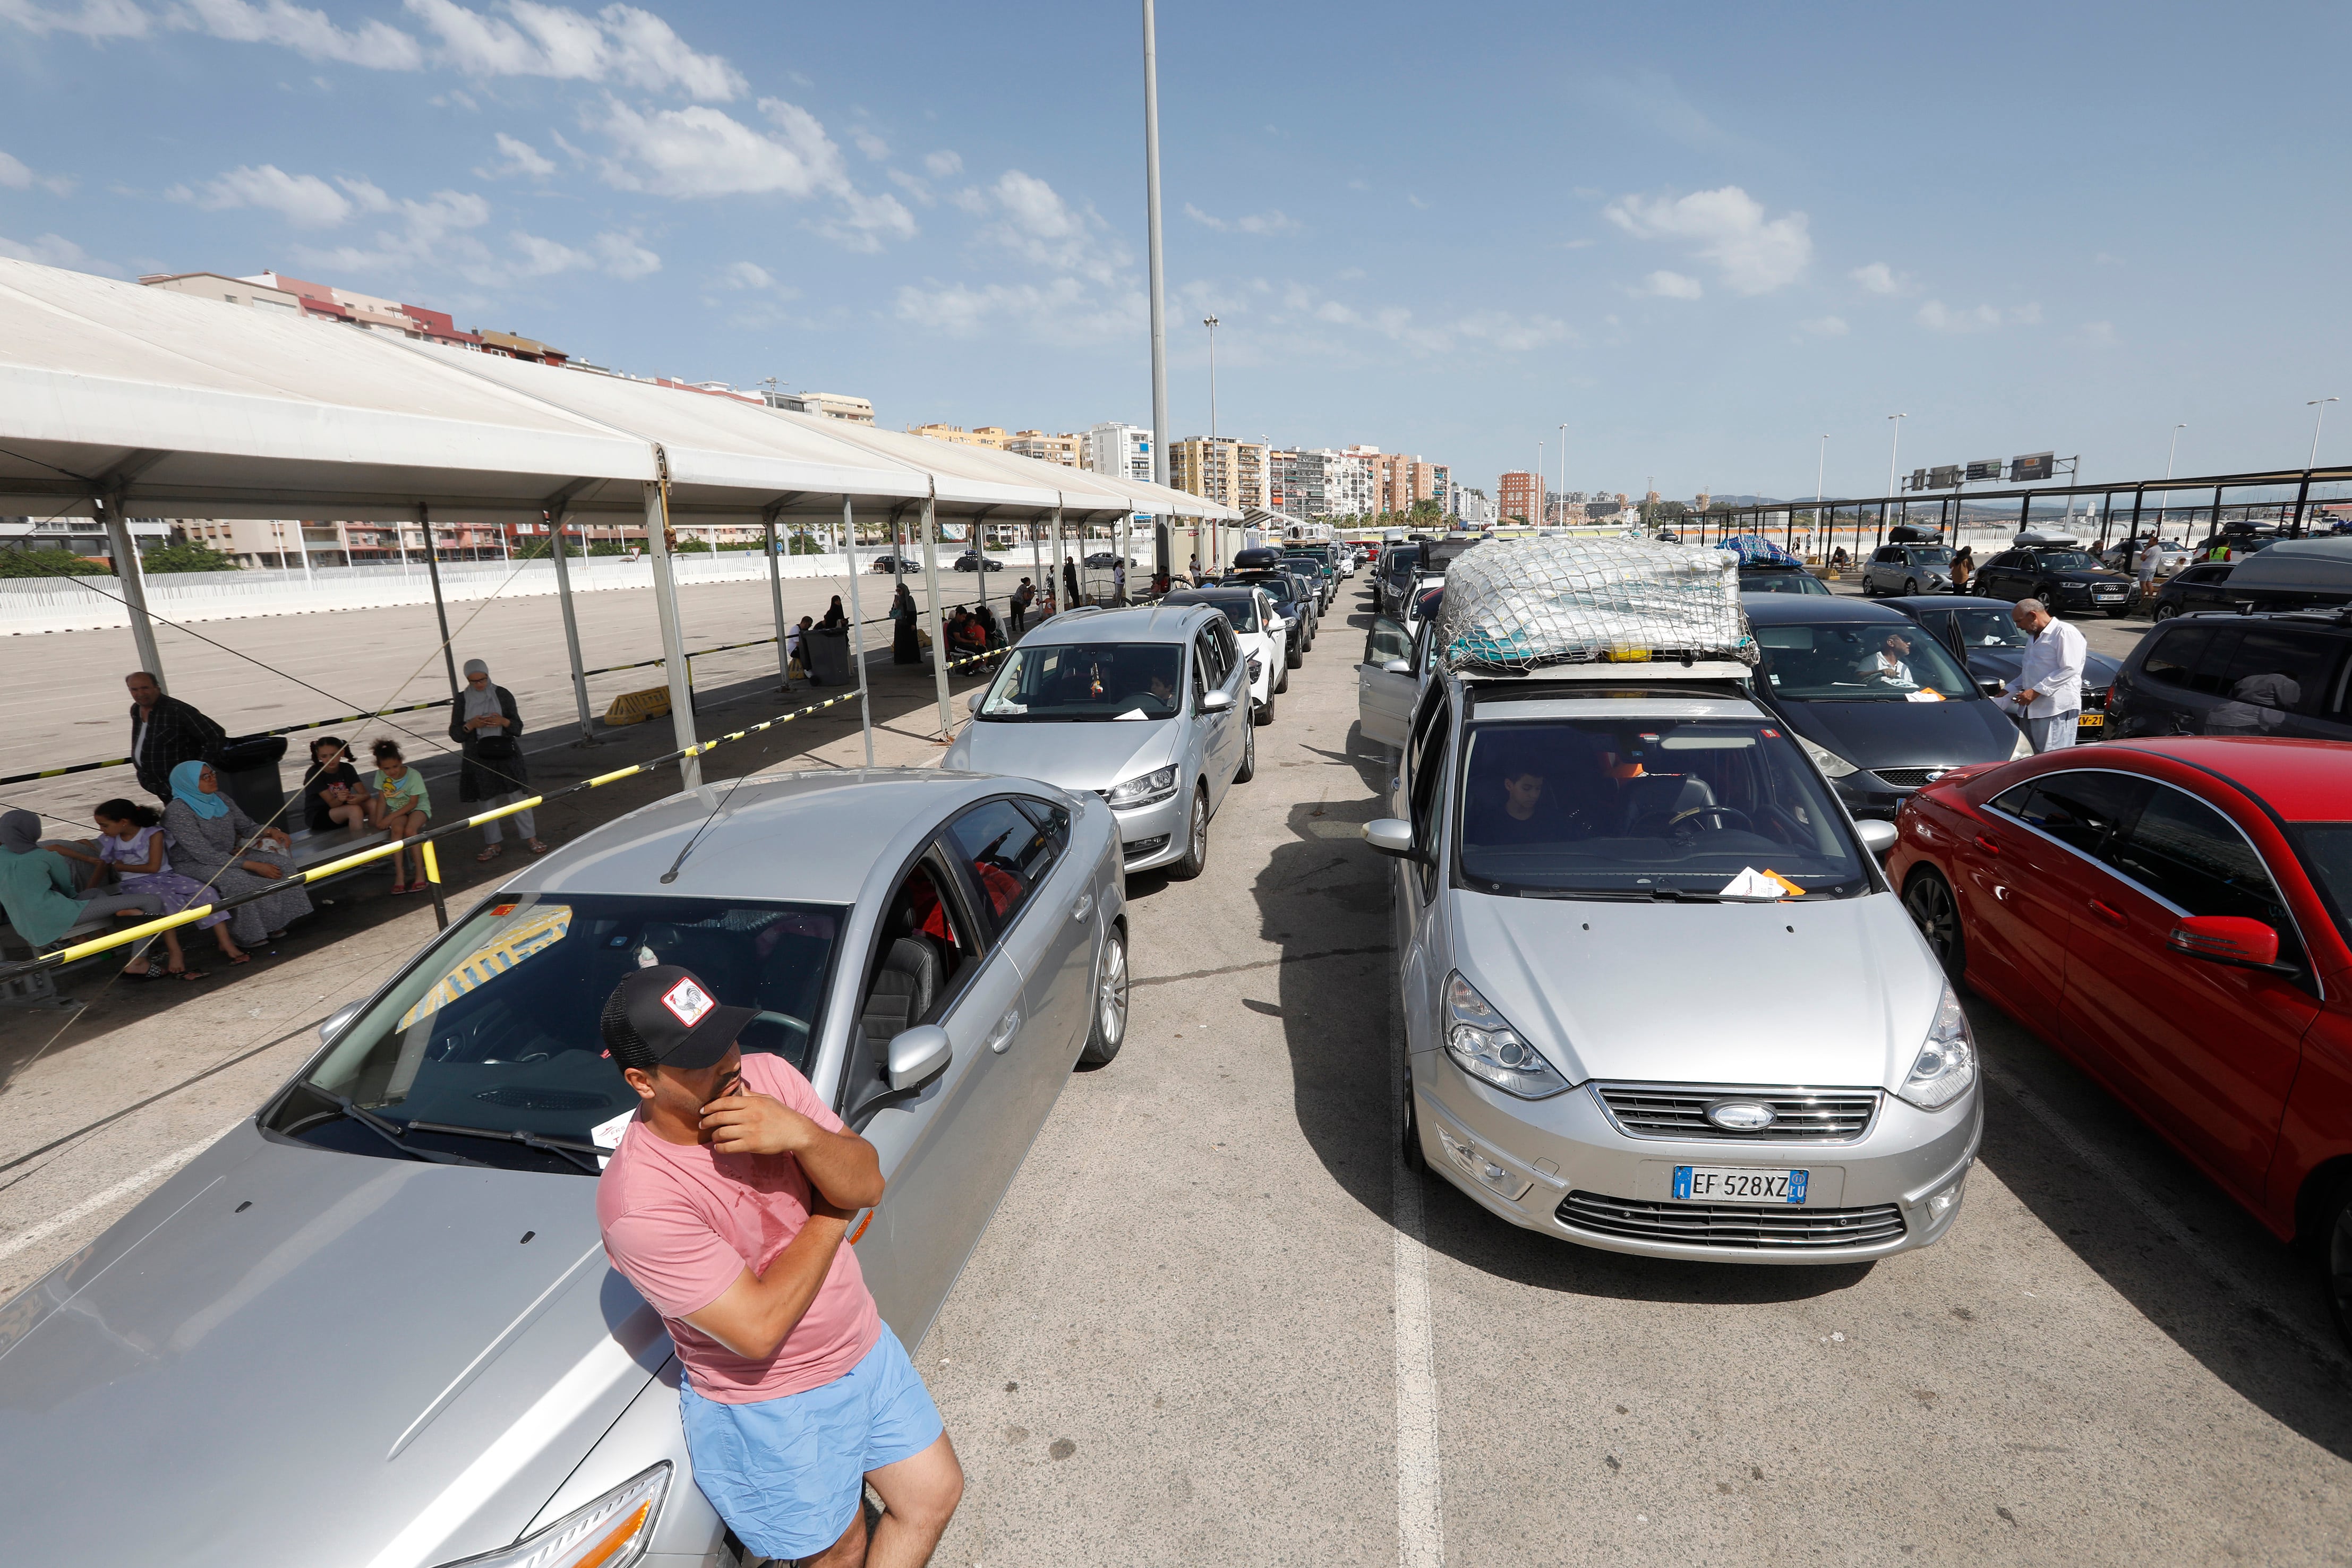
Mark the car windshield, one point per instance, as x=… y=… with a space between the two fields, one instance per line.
x=494 y=1030
x=1281 y=590
x=2327 y=853
x=1988 y=629
x=1077 y=682
x=1859 y=661
x=1928 y=554
x=1780 y=580
x=2067 y=560
x=1648 y=808
x=1241 y=608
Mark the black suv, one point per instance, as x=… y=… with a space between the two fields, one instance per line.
x=2280 y=675
x=2063 y=577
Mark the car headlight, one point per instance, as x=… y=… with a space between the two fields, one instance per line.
x=1831 y=765
x=1146 y=791
x=1486 y=1047
x=1256 y=668
x=611 y=1532
x=2023 y=748
x=1947 y=1063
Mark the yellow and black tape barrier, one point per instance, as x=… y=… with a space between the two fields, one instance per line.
x=421 y=842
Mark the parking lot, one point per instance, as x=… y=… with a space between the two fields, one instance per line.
x=1215 y=1320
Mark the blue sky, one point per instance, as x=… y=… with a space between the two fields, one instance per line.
x=1701 y=236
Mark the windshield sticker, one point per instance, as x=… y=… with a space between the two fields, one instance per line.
x=607 y=1135
x=1924 y=694
x=502 y=952
x=1760 y=884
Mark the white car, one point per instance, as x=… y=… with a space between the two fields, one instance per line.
x=1261 y=630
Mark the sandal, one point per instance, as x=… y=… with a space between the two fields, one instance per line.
x=493 y=852
x=242 y=959
x=152 y=970
x=185 y=974
x=536 y=847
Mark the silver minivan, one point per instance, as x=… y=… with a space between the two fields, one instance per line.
x=1148 y=708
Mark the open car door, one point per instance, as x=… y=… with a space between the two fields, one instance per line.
x=1384 y=683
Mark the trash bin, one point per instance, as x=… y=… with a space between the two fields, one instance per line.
x=248 y=769
x=826 y=652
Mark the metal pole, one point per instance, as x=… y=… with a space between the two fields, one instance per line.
x=856 y=621
x=1893 y=447
x=1211 y=323
x=938 y=616
x=776 y=599
x=303 y=545
x=1152 y=227
x=681 y=681
x=571 y=624
x=133 y=577
x=440 y=609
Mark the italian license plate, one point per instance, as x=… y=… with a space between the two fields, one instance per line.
x=1722 y=1183
x=2092 y=721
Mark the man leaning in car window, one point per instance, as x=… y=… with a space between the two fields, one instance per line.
x=725 y=1205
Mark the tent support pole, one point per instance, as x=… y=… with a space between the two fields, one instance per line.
x=570 y=621
x=681 y=681
x=133 y=577
x=939 y=614
x=857 y=625
x=440 y=609
x=776 y=599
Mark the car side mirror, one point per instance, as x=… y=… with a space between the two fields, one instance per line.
x=1399 y=667
x=978 y=698
x=1393 y=836
x=2232 y=939
x=1877 y=837
x=918 y=1055
x=333 y=1025
x=1216 y=701
x=1993 y=688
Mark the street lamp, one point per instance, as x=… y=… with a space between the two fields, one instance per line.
x=1563 y=471
x=2320 y=404
x=1896 y=446
x=2169 y=448
x=1211 y=323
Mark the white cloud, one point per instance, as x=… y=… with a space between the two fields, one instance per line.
x=1061 y=311
x=51 y=250
x=374 y=45
x=2100 y=333
x=1670 y=285
x=1825 y=327
x=697 y=152
x=624 y=258
x=1036 y=225
x=913 y=186
x=1879 y=278
x=303 y=200
x=873 y=146
x=1938 y=316
x=1752 y=254
x=90 y=19
x=1499 y=328
x=619 y=44
x=1267 y=222
x=943 y=165
x=517 y=157
x=16 y=176
x=746 y=274
x=1512 y=334
x=865 y=220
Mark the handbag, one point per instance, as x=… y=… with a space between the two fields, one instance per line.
x=496 y=747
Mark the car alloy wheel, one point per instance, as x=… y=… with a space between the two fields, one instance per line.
x=1109 y=1030
x=1911 y=586
x=1248 y=769
x=2166 y=611
x=1937 y=914
x=1414 y=1160
x=2336 y=1259
x=1196 y=841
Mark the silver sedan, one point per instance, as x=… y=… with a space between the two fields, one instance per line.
x=374 y=1325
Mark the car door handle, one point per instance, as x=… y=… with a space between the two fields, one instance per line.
x=1987 y=845
x=1083 y=908
x=1000 y=1040
x=2103 y=913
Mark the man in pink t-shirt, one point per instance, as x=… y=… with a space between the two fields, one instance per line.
x=725 y=1205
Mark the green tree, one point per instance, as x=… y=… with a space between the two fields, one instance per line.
x=185 y=555
x=49 y=561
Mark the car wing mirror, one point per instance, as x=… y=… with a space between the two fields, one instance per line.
x=1216 y=701
x=1399 y=667
x=2232 y=939
x=1393 y=836
x=1992 y=687
x=333 y=1023
x=1877 y=837
x=976 y=698
x=918 y=1055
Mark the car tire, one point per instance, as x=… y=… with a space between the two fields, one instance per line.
x=1291 y=657
x=1109 y=1031
x=1263 y=712
x=2165 y=612
x=1248 y=769
x=1934 y=908
x=1911 y=586
x=1415 y=1160
x=1196 y=841
x=1282 y=681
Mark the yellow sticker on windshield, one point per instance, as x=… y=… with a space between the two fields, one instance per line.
x=503 y=952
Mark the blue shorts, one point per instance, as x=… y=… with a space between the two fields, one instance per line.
x=788 y=1475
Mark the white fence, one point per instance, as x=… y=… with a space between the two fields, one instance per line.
x=74 y=604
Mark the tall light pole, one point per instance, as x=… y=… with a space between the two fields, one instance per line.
x=1896 y=445
x=2170 y=447
x=1820 y=467
x=1211 y=323
x=1152 y=227
x=2320 y=405
x=1539 y=517
x=1563 y=471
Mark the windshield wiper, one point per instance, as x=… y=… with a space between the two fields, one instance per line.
x=568 y=1148
x=390 y=1132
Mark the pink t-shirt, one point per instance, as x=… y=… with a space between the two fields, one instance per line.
x=682 y=1222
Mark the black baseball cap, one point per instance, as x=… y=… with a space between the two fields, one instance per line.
x=665 y=1017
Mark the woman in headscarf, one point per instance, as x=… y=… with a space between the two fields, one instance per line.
x=904 y=647
x=214 y=843
x=485 y=721
x=837 y=619
x=37 y=893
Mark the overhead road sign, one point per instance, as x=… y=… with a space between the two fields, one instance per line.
x=2032 y=468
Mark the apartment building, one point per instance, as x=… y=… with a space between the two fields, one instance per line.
x=1233 y=473
x=1047 y=447
x=1115 y=448
x=1297 y=482
x=825 y=405
x=990 y=436
x=1519 y=495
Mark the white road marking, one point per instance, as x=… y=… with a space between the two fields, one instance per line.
x=2190 y=1244
x=34 y=1235
x=1421 y=1523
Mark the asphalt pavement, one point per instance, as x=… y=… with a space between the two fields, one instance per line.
x=1216 y=1321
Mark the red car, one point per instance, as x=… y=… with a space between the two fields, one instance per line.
x=2172 y=916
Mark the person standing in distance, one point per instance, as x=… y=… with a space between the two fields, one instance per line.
x=725 y=1204
x=2045 y=697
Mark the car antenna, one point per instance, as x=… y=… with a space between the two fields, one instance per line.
x=688 y=847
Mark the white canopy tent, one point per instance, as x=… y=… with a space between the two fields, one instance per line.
x=118 y=400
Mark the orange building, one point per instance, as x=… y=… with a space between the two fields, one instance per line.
x=1520 y=494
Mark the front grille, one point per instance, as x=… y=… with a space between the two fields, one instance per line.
x=1679 y=1110
x=1911 y=777
x=1732 y=1226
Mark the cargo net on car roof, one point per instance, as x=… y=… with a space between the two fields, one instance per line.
x=1515 y=605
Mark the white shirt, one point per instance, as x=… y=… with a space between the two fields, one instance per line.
x=2052 y=670
x=2148 y=564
